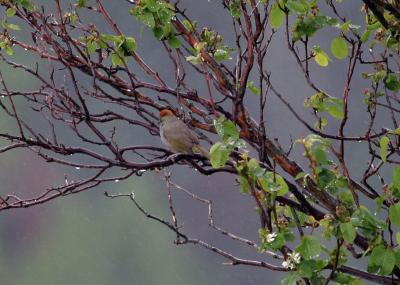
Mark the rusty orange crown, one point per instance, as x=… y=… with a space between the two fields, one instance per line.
x=166 y=112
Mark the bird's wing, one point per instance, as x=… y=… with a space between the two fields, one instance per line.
x=181 y=141
x=193 y=138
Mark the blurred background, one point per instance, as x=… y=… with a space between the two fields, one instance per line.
x=90 y=239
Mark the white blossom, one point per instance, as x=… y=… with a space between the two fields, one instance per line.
x=291 y=261
x=271 y=237
x=295 y=256
x=285 y=264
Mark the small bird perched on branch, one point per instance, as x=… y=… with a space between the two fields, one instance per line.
x=177 y=136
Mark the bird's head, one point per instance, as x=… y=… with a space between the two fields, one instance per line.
x=166 y=114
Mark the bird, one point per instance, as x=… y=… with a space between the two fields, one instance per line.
x=177 y=136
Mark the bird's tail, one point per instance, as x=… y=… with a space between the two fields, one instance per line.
x=200 y=150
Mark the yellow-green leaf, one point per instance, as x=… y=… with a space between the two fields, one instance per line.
x=339 y=48
x=219 y=155
x=384 y=144
x=394 y=214
x=348 y=231
x=10 y=12
x=276 y=16
x=321 y=57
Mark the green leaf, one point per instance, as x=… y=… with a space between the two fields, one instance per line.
x=392 y=83
x=190 y=26
x=341 y=278
x=91 y=47
x=158 y=33
x=397 y=257
x=221 y=54
x=394 y=214
x=26 y=4
x=297 y=6
x=316 y=102
x=174 y=42
x=381 y=261
x=301 y=175
x=10 y=12
x=193 y=59
x=244 y=184
x=366 y=223
x=273 y=183
x=346 y=198
x=148 y=19
x=365 y=36
x=234 y=8
x=292 y=279
x=81 y=3
x=384 y=144
x=335 y=111
x=334 y=107
x=398 y=242
x=108 y=38
x=11 y=26
x=219 y=155
x=379 y=203
x=226 y=129
x=355 y=281
x=309 y=247
x=348 y=231
x=339 y=48
x=346 y=279
x=396 y=177
x=168 y=30
x=319 y=154
x=370 y=28
x=254 y=168
x=321 y=57
x=117 y=59
x=396 y=132
x=310 y=140
x=310 y=25
x=129 y=45
x=326 y=180
x=252 y=88
x=9 y=50
x=308 y=268
x=152 y=5
x=276 y=16
x=345 y=27
x=157 y=15
x=287 y=233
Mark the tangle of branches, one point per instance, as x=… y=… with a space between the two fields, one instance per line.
x=90 y=82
